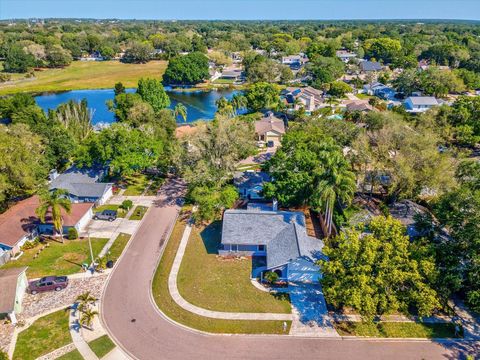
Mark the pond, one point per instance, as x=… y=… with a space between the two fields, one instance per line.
x=200 y=104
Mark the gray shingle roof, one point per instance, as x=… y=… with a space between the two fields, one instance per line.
x=81 y=182
x=283 y=233
x=249 y=179
x=423 y=100
x=370 y=66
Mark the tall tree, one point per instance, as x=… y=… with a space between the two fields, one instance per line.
x=76 y=117
x=180 y=110
x=152 y=92
x=54 y=202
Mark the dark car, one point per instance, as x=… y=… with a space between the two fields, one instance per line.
x=48 y=283
x=109 y=215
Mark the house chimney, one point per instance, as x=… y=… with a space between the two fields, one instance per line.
x=275 y=205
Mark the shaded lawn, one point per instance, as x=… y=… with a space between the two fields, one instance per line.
x=58 y=258
x=136 y=185
x=101 y=346
x=120 y=212
x=86 y=75
x=46 y=334
x=72 y=355
x=397 y=330
x=218 y=284
x=138 y=212
x=172 y=310
x=157 y=182
x=118 y=246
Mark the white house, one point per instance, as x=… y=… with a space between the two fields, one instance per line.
x=346 y=55
x=419 y=104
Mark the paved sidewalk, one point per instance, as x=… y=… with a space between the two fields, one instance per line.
x=174 y=293
x=470 y=322
x=78 y=341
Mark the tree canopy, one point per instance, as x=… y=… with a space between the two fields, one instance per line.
x=188 y=69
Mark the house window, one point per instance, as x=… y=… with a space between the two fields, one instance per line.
x=261 y=247
x=233 y=247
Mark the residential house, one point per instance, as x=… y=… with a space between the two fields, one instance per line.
x=295 y=62
x=13 y=283
x=370 y=66
x=358 y=105
x=370 y=89
x=234 y=74
x=419 y=104
x=83 y=184
x=406 y=211
x=308 y=97
x=250 y=184
x=346 y=55
x=20 y=223
x=270 y=129
x=279 y=236
x=380 y=90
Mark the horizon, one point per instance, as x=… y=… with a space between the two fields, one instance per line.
x=243 y=10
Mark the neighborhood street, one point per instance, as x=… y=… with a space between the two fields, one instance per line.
x=134 y=322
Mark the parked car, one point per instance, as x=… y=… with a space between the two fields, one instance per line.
x=109 y=215
x=48 y=283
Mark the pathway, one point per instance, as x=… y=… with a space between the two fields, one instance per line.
x=134 y=322
x=175 y=294
x=75 y=332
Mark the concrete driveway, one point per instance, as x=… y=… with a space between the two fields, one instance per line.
x=105 y=229
x=134 y=322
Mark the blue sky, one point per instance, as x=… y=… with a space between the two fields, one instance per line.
x=243 y=9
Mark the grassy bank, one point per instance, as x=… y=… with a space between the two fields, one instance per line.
x=397 y=330
x=58 y=258
x=171 y=309
x=46 y=334
x=85 y=75
x=217 y=284
x=118 y=246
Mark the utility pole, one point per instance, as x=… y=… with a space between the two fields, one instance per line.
x=90 y=245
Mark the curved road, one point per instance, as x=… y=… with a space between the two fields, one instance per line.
x=138 y=327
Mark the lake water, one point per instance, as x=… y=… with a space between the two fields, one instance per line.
x=200 y=104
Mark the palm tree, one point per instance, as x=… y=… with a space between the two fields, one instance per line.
x=54 y=201
x=87 y=318
x=336 y=184
x=86 y=298
x=76 y=117
x=238 y=102
x=180 y=110
x=225 y=107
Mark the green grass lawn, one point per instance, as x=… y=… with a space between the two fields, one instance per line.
x=101 y=346
x=46 y=334
x=58 y=258
x=72 y=355
x=157 y=182
x=175 y=312
x=118 y=246
x=138 y=212
x=213 y=283
x=136 y=185
x=120 y=212
x=364 y=96
x=85 y=75
x=397 y=330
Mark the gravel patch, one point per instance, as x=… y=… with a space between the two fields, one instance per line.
x=34 y=305
x=57 y=353
x=6 y=334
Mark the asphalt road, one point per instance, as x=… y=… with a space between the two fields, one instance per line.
x=138 y=327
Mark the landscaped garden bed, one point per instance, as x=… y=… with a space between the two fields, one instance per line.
x=57 y=258
x=138 y=213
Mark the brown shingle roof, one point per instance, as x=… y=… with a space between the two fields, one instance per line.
x=269 y=123
x=183 y=130
x=8 y=287
x=21 y=219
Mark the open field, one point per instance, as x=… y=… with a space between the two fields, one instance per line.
x=58 y=258
x=397 y=330
x=43 y=336
x=217 y=284
x=165 y=302
x=85 y=75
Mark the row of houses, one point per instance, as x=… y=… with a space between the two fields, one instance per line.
x=20 y=223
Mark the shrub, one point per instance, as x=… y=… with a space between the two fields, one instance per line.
x=3 y=355
x=126 y=205
x=30 y=244
x=5 y=77
x=271 y=277
x=72 y=234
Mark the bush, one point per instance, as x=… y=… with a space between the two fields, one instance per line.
x=5 y=77
x=3 y=355
x=30 y=244
x=271 y=277
x=72 y=234
x=126 y=205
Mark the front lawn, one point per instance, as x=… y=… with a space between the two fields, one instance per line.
x=101 y=346
x=138 y=212
x=136 y=184
x=58 y=258
x=211 y=282
x=397 y=330
x=118 y=246
x=157 y=182
x=72 y=355
x=171 y=309
x=120 y=212
x=46 y=334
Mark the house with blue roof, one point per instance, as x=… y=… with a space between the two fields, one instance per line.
x=278 y=236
